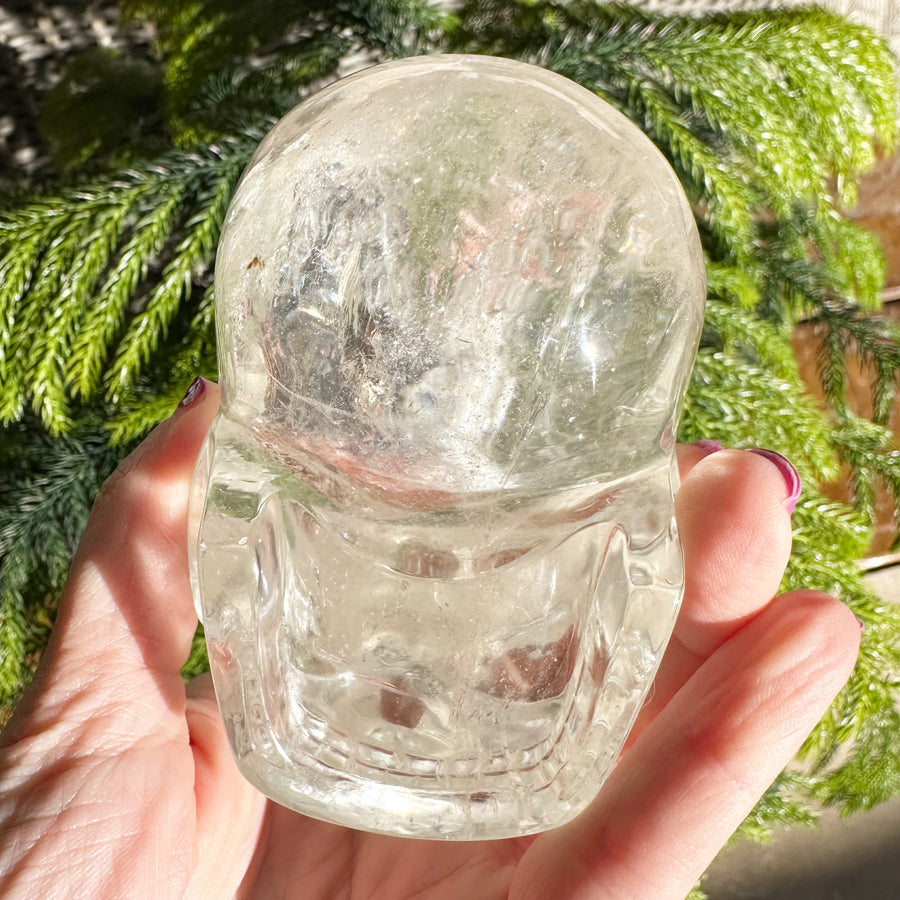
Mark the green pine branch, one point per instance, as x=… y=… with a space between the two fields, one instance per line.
x=106 y=309
x=681 y=76
x=723 y=193
x=870 y=453
x=190 y=262
x=874 y=341
x=872 y=775
x=785 y=804
x=200 y=39
x=47 y=486
x=743 y=405
x=79 y=261
x=158 y=391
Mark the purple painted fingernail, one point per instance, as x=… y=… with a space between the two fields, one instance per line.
x=708 y=446
x=788 y=472
x=193 y=393
x=862 y=625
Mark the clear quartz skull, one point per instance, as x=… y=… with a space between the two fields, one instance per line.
x=435 y=556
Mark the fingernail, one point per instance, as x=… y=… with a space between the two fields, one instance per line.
x=708 y=446
x=193 y=393
x=862 y=625
x=788 y=472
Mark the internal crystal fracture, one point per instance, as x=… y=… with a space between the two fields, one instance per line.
x=457 y=302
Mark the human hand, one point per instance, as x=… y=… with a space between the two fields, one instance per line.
x=116 y=780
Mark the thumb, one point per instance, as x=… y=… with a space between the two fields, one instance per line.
x=127 y=605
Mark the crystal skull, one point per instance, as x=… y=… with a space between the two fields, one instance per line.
x=435 y=555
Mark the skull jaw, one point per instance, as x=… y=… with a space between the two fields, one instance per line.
x=430 y=702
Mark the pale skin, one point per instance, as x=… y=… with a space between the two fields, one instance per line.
x=116 y=779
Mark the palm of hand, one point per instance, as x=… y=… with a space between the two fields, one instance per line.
x=117 y=781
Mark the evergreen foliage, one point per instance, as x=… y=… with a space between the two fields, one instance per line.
x=47 y=486
x=768 y=119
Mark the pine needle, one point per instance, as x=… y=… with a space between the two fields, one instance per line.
x=191 y=260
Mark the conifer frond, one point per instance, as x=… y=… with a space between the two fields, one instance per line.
x=397 y=27
x=803 y=78
x=844 y=73
x=829 y=292
x=828 y=536
x=201 y=38
x=826 y=540
x=735 y=284
x=151 y=400
x=749 y=406
x=874 y=341
x=78 y=264
x=197 y=661
x=852 y=258
x=872 y=774
x=52 y=345
x=870 y=452
x=192 y=259
x=725 y=198
x=864 y=716
x=145 y=411
x=844 y=271
x=782 y=803
x=748 y=337
x=47 y=487
x=687 y=82
x=105 y=313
